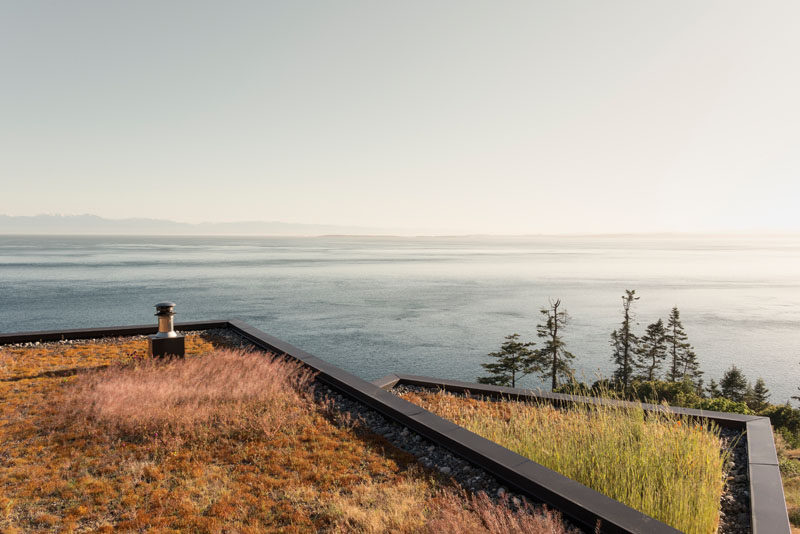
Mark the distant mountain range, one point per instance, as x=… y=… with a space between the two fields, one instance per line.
x=92 y=224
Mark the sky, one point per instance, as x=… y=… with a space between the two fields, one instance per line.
x=448 y=116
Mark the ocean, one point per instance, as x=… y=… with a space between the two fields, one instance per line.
x=428 y=306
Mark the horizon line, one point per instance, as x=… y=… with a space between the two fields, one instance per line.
x=351 y=230
x=742 y=233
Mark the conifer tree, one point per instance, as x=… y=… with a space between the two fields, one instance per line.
x=554 y=357
x=514 y=360
x=758 y=397
x=700 y=387
x=713 y=389
x=683 y=360
x=796 y=397
x=624 y=342
x=652 y=350
x=733 y=384
x=691 y=368
x=748 y=395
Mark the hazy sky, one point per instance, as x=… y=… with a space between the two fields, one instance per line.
x=496 y=117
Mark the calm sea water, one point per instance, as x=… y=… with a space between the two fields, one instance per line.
x=429 y=306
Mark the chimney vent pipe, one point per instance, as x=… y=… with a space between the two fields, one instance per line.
x=165 y=311
x=166 y=343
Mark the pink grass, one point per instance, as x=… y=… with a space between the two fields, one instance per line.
x=459 y=513
x=225 y=390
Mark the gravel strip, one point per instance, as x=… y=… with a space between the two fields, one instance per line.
x=735 y=502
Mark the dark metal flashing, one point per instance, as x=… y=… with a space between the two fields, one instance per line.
x=767 y=500
x=579 y=503
x=730 y=420
x=767 y=503
x=96 y=333
x=387 y=382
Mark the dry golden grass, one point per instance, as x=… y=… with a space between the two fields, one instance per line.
x=410 y=507
x=665 y=466
x=96 y=439
x=790 y=474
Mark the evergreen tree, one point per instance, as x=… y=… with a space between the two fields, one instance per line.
x=652 y=350
x=624 y=342
x=713 y=389
x=758 y=396
x=748 y=395
x=796 y=397
x=733 y=384
x=514 y=360
x=554 y=357
x=691 y=368
x=699 y=387
x=683 y=360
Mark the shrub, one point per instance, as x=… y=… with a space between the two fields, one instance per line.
x=794 y=516
x=789 y=467
x=721 y=404
x=658 y=391
x=782 y=415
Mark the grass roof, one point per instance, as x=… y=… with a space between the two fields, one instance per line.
x=96 y=437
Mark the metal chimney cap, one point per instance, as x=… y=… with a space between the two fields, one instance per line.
x=165 y=312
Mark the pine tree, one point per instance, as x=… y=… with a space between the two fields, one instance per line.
x=758 y=397
x=796 y=397
x=691 y=368
x=699 y=387
x=652 y=350
x=713 y=389
x=748 y=395
x=683 y=360
x=554 y=357
x=733 y=384
x=514 y=360
x=624 y=342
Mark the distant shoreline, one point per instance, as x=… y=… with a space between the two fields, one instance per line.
x=659 y=235
x=93 y=225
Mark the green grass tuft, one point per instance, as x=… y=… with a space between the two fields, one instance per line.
x=666 y=466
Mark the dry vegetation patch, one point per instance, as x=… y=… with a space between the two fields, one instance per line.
x=96 y=438
x=790 y=473
x=665 y=466
x=230 y=392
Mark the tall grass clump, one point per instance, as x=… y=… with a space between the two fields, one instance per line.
x=223 y=392
x=666 y=466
